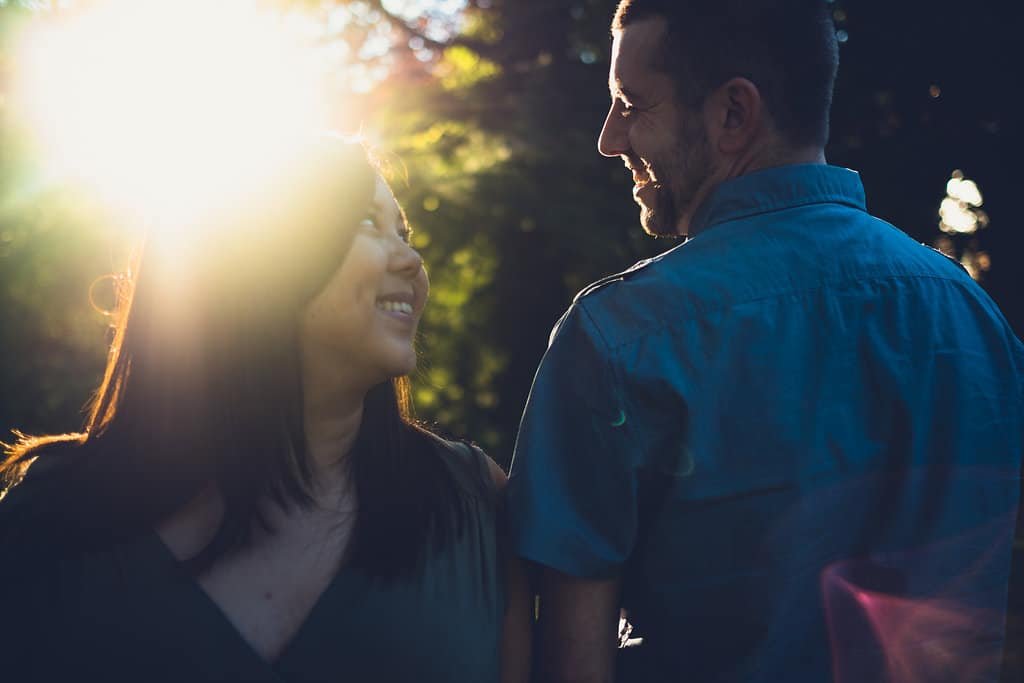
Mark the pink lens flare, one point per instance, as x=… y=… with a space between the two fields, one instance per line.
x=901 y=618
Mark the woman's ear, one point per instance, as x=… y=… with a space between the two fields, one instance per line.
x=734 y=115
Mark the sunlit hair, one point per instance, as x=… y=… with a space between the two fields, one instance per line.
x=787 y=48
x=202 y=383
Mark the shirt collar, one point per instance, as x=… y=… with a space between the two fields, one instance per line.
x=774 y=189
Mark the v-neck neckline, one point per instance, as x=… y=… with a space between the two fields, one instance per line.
x=185 y=584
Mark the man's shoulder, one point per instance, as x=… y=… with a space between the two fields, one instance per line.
x=646 y=296
x=604 y=286
x=758 y=261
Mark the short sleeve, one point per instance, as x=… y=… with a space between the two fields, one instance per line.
x=572 y=489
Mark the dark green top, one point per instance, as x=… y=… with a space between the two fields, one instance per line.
x=131 y=612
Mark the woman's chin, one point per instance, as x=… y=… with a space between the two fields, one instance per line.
x=402 y=364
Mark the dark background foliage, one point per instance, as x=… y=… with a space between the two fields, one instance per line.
x=490 y=113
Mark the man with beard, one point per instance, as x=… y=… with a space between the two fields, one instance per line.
x=789 y=447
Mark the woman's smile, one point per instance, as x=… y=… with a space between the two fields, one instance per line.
x=399 y=306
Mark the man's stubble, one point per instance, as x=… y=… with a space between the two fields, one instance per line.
x=683 y=172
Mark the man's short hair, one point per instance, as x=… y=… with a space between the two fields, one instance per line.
x=787 y=48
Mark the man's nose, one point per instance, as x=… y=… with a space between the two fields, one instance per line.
x=614 y=140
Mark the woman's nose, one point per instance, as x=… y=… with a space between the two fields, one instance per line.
x=406 y=260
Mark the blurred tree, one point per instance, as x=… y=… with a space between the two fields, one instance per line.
x=518 y=210
x=53 y=246
x=488 y=112
x=500 y=145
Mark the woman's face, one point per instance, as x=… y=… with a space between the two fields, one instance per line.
x=366 y=315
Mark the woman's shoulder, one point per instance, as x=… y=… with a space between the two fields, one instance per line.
x=30 y=552
x=44 y=537
x=33 y=562
x=30 y=510
x=50 y=582
x=471 y=465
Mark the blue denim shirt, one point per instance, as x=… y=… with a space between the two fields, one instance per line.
x=796 y=438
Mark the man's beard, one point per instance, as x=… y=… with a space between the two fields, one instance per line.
x=661 y=219
x=680 y=177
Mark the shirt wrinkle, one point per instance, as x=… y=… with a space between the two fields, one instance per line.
x=773 y=296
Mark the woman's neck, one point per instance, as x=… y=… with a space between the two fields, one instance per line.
x=332 y=412
x=331 y=420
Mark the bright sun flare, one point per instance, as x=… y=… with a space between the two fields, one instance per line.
x=168 y=109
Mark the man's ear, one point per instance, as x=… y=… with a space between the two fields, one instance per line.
x=734 y=114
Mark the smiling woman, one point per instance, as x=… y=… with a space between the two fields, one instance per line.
x=368 y=312
x=248 y=499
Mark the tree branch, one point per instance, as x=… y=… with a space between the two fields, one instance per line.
x=486 y=50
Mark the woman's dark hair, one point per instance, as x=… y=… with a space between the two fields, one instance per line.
x=203 y=384
x=788 y=49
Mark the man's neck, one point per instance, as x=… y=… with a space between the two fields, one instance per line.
x=757 y=160
x=774 y=157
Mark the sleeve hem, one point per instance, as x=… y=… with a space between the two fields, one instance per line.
x=572 y=566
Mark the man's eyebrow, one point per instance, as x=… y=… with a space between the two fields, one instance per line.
x=616 y=88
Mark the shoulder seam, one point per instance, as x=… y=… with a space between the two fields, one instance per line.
x=703 y=312
x=600 y=283
x=593 y=323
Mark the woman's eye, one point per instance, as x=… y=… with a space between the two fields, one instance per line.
x=375 y=224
